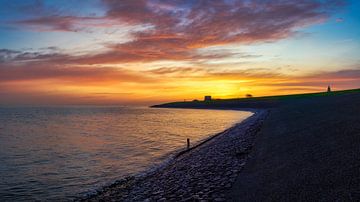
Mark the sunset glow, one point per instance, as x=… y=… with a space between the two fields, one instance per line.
x=150 y=51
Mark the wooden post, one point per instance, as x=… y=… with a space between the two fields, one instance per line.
x=188 y=143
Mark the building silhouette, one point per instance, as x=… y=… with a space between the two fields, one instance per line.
x=207 y=98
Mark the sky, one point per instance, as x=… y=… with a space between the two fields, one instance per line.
x=141 y=52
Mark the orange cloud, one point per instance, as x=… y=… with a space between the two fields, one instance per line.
x=98 y=85
x=73 y=74
x=174 y=30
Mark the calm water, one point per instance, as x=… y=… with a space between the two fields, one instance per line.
x=60 y=153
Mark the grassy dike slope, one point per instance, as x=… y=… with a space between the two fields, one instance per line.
x=307 y=150
x=256 y=102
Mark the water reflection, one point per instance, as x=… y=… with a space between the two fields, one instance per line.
x=57 y=153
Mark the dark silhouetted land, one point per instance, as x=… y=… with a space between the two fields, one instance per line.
x=254 y=102
x=308 y=148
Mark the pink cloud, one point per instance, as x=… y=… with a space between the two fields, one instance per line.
x=176 y=29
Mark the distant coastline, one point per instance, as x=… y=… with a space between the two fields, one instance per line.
x=265 y=102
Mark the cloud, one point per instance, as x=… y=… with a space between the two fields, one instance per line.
x=341 y=74
x=342 y=79
x=43 y=83
x=59 y=23
x=180 y=28
x=7 y=54
x=51 y=23
x=175 y=30
x=70 y=74
x=204 y=73
x=175 y=70
x=51 y=54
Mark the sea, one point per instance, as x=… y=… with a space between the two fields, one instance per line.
x=62 y=153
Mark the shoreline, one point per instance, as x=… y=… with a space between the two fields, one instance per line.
x=179 y=170
x=201 y=142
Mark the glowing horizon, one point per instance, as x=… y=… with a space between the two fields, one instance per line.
x=152 y=51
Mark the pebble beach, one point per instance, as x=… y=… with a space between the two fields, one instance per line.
x=204 y=172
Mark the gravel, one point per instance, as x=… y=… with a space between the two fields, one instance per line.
x=203 y=173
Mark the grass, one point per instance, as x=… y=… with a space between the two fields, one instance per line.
x=265 y=100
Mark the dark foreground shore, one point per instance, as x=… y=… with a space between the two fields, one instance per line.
x=307 y=150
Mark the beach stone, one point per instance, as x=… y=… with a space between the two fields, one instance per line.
x=202 y=174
